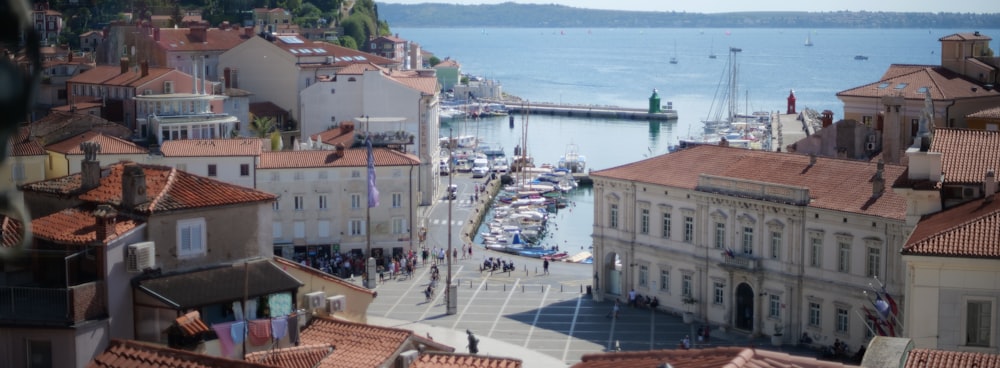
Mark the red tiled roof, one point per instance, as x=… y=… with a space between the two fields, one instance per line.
x=180 y=39
x=135 y=354
x=455 y=360
x=943 y=84
x=344 y=134
x=358 y=69
x=167 y=189
x=991 y=113
x=412 y=79
x=109 y=145
x=967 y=154
x=392 y=39
x=214 y=147
x=343 y=56
x=834 y=184
x=286 y=263
x=449 y=63
x=10 y=232
x=266 y=108
x=21 y=145
x=927 y=358
x=305 y=356
x=76 y=226
x=353 y=157
x=355 y=344
x=112 y=75
x=967 y=230
x=965 y=37
x=730 y=357
x=77 y=105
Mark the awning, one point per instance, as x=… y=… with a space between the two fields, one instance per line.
x=219 y=285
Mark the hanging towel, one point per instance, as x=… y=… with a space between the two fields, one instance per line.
x=225 y=337
x=238 y=331
x=279 y=327
x=251 y=309
x=280 y=304
x=238 y=311
x=293 y=329
x=260 y=332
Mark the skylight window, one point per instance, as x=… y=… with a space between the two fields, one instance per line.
x=290 y=39
x=319 y=50
x=305 y=51
x=901 y=85
x=923 y=90
x=293 y=51
x=360 y=58
x=883 y=85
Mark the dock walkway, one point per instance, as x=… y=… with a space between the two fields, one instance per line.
x=595 y=111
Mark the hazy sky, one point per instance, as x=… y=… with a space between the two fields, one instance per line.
x=720 y=6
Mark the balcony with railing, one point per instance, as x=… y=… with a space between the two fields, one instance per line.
x=47 y=306
x=741 y=261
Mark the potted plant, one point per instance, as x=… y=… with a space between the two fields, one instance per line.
x=689 y=303
x=777 y=337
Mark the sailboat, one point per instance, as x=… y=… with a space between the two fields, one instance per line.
x=673 y=59
x=809 y=41
x=725 y=101
x=711 y=50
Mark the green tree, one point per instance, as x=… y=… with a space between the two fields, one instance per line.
x=261 y=126
x=348 y=42
x=276 y=144
x=434 y=60
x=357 y=27
x=176 y=16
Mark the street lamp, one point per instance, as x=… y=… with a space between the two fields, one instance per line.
x=451 y=300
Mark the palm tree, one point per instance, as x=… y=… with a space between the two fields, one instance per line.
x=261 y=126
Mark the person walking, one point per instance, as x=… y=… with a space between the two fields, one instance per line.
x=631 y=298
x=545 y=266
x=614 y=311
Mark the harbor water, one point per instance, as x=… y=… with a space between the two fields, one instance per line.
x=621 y=67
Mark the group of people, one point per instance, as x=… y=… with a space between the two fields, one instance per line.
x=497 y=264
x=636 y=301
x=435 y=276
x=344 y=265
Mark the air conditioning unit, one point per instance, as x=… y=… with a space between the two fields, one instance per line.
x=315 y=300
x=336 y=303
x=140 y=256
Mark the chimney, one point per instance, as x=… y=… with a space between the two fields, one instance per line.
x=133 y=185
x=878 y=182
x=827 y=118
x=198 y=32
x=90 y=171
x=144 y=67
x=105 y=215
x=989 y=186
x=812 y=159
x=340 y=150
x=156 y=34
x=123 y=62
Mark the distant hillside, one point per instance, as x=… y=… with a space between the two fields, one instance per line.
x=514 y=15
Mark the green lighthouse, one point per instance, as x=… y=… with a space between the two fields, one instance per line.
x=654 y=102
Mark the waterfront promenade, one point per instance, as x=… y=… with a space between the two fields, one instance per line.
x=518 y=106
x=545 y=320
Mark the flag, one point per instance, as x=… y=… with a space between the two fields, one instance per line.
x=882 y=306
x=372 y=191
x=875 y=322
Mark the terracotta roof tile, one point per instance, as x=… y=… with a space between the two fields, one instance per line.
x=109 y=145
x=412 y=78
x=967 y=154
x=214 y=147
x=77 y=226
x=967 y=230
x=305 y=356
x=834 y=184
x=112 y=75
x=167 y=189
x=353 y=157
x=344 y=134
x=358 y=69
x=286 y=263
x=456 y=360
x=355 y=345
x=927 y=358
x=908 y=80
x=965 y=37
x=448 y=63
x=135 y=354
x=991 y=113
x=733 y=357
x=21 y=144
x=266 y=108
x=180 y=39
x=10 y=232
x=191 y=324
x=343 y=56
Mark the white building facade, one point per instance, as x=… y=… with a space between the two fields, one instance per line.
x=741 y=252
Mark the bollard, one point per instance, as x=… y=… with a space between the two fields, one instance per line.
x=581 y=288
x=504 y=287
x=487 y=285
x=522 y=288
x=542 y=289
x=560 y=288
x=470 y=284
x=536 y=270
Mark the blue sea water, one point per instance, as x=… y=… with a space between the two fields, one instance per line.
x=622 y=66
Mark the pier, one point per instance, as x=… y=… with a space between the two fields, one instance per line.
x=612 y=112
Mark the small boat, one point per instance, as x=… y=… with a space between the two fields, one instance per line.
x=673 y=59
x=572 y=160
x=809 y=41
x=860 y=57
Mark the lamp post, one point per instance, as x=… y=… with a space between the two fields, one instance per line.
x=450 y=298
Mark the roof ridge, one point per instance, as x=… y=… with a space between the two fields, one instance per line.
x=957 y=227
x=171 y=178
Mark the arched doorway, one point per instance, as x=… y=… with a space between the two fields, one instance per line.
x=744 y=307
x=613 y=272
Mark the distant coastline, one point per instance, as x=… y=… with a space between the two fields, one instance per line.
x=512 y=15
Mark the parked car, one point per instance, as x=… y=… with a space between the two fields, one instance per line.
x=452 y=191
x=480 y=171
